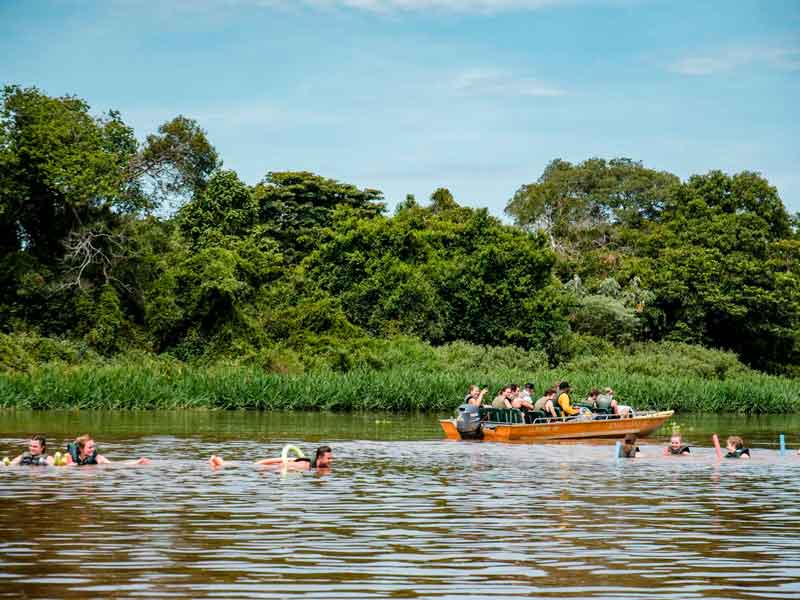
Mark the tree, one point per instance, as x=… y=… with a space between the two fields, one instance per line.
x=60 y=170
x=569 y=201
x=455 y=275
x=225 y=207
x=293 y=206
x=177 y=161
x=442 y=200
x=64 y=172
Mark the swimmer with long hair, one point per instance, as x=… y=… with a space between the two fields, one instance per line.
x=323 y=458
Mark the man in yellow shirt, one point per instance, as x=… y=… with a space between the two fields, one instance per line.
x=565 y=402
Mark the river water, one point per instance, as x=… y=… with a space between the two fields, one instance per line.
x=402 y=514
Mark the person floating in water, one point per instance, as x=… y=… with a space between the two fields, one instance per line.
x=36 y=454
x=629 y=448
x=83 y=451
x=323 y=458
x=735 y=447
x=676 y=446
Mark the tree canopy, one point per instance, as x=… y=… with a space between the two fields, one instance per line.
x=602 y=253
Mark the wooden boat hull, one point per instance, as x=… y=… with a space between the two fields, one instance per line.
x=641 y=425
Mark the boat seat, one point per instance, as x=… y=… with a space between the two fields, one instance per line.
x=502 y=415
x=596 y=410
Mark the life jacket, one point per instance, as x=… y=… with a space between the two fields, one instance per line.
x=628 y=451
x=29 y=460
x=679 y=451
x=569 y=403
x=603 y=402
x=738 y=453
x=73 y=452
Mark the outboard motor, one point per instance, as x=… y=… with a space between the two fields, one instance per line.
x=468 y=422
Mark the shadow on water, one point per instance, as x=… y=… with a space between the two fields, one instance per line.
x=402 y=514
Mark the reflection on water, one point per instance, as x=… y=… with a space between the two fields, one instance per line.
x=395 y=519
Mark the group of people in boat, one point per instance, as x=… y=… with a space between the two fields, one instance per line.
x=83 y=451
x=556 y=402
x=734 y=445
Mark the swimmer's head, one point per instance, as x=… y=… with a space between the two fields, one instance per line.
x=86 y=445
x=323 y=457
x=734 y=443
x=37 y=445
x=675 y=441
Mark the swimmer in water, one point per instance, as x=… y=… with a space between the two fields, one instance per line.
x=629 y=448
x=676 y=447
x=36 y=454
x=83 y=451
x=735 y=447
x=323 y=458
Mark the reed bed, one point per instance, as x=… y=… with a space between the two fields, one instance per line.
x=169 y=384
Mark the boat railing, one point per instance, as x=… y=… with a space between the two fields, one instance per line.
x=513 y=416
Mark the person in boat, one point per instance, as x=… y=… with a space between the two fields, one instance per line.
x=591 y=399
x=323 y=458
x=519 y=400
x=83 y=451
x=565 y=401
x=623 y=410
x=676 y=447
x=606 y=401
x=36 y=456
x=545 y=403
x=629 y=448
x=527 y=393
x=475 y=395
x=735 y=447
x=503 y=398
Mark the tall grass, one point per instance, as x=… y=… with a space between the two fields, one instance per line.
x=162 y=384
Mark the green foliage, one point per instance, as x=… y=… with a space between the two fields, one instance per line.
x=302 y=275
x=23 y=352
x=142 y=382
x=458 y=275
x=179 y=158
x=605 y=317
x=225 y=207
x=710 y=261
x=60 y=168
x=584 y=199
x=293 y=206
x=664 y=360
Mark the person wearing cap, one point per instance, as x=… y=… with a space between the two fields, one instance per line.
x=564 y=400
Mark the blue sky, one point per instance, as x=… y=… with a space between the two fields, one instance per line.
x=409 y=95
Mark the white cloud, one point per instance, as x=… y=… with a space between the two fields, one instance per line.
x=734 y=58
x=496 y=82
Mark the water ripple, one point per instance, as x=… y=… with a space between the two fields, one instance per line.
x=404 y=520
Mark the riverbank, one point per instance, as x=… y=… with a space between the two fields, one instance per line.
x=168 y=384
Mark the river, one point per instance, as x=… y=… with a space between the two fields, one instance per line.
x=402 y=514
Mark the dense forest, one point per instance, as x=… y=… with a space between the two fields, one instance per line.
x=111 y=245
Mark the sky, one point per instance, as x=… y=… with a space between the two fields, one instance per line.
x=406 y=96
